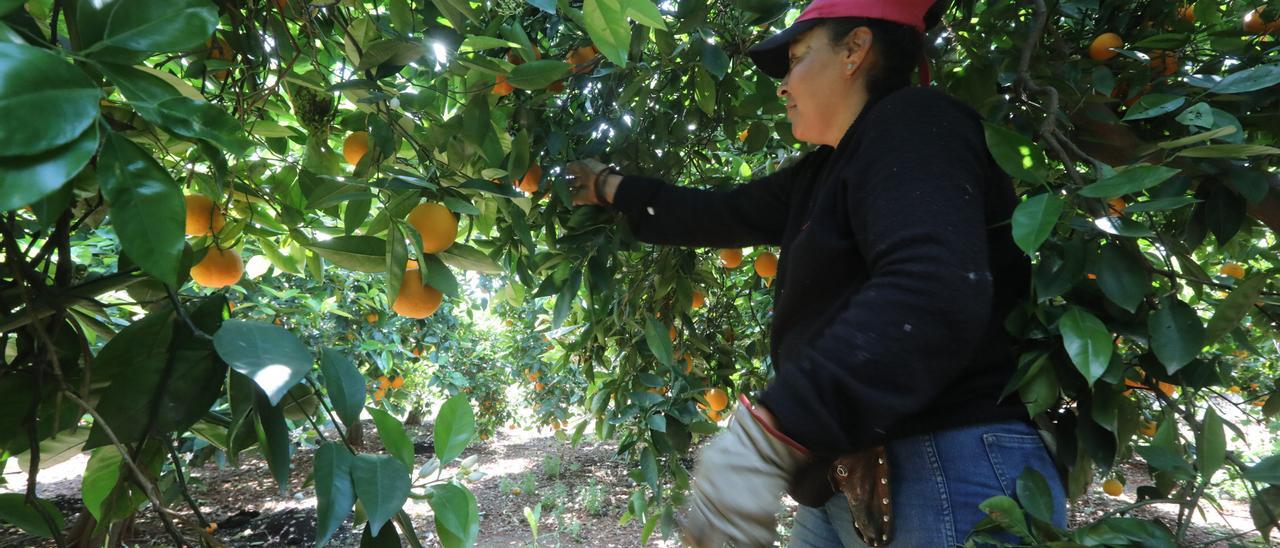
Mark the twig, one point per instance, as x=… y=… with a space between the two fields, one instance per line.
x=138 y=476
x=177 y=307
x=182 y=485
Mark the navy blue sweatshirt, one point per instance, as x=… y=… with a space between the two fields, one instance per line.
x=896 y=272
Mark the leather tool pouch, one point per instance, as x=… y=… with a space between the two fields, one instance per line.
x=863 y=477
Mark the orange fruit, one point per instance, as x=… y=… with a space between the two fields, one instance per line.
x=1115 y=207
x=539 y=386
x=383 y=382
x=397 y=382
x=714 y=415
x=1187 y=13
x=416 y=300
x=218 y=268
x=743 y=136
x=355 y=146
x=437 y=225
x=716 y=398
x=1148 y=428
x=688 y=365
x=767 y=265
x=533 y=377
x=1234 y=389
x=221 y=52
x=1255 y=24
x=1166 y=388
x=1112 y=487
x=1164 y=62
x=1232 y=269
x=698 y=299
x=730 y=258
x=1091 y=276
x=417 y=351
x=204 y=217
x=1262 y=402
x=1100 y=49
x=371 y=317
x=671 y=333
x=529 y=183
x=516 y=58
x=502 y=87
x=379 y=394
x=582 y=55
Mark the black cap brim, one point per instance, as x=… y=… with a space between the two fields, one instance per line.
x=772 y=54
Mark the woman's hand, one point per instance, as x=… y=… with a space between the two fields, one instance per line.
x=584 y=173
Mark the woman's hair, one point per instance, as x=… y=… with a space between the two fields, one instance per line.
x=897 y=47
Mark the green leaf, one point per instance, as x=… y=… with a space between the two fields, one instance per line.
x=27 y=179
x=659 y=341
x=15 y=511
x=1005 y=512
x=100 y=478
x=1235 y=307
x=1228 y=151
x=146 y=205
x=538 y=74
x=394 y=439
x=649 y=467
x=1088 y=342
x=1211 y=444
x=1205 y=136
x=1034 y=495
x=46 y=101
x=1124 y=279
x=457 y=515
x=455 y=426
x=344 y=384
x=1250 y=79
x=387 y=538
x=1161 y=204
x=1129 y=181
x=1176 y=333
x=1199 y=115
x=382 y=485
x=479 y=43
x=436 y=274
x=704 y=91
x=335 y=493
x=1016 y=154
x=359 y=253
x=397 y=258
x=156 y=26
x=645 y=13
x=1152 y=105
x=392 y=51
x=1122 y=226
x=200 y=119
x=1264 y=508
x=607 y=26
x=564 y=300
x=1266 y=470
x=270 y=355
x=273 y=438
x=133 y=363
x=465 y=257
x=1034 y=219
x=7 y=6
x=518 y=160
x=1173 y=40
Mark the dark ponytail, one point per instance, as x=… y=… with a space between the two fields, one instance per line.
x=897 y=47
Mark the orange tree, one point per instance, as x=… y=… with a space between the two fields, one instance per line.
x=152 y=150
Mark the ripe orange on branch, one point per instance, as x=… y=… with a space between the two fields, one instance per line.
x=1100 y=49
x=416 y=300
x=716 y=398
x=767 y=265
x=502 y=87
x=355 y=147
x=529 y=183
x=218 y=268
x=437 y=225
x=203 y=216
x=730 y=258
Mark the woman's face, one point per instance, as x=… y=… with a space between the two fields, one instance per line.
x=820 y=87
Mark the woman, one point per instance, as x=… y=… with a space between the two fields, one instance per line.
x=897 y=270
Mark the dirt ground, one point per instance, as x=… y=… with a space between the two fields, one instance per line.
x=582 y=499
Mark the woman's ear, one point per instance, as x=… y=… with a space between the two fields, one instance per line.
x=855 y=50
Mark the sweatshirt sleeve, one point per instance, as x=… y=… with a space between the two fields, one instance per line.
x=916 y=210
x=753 y=213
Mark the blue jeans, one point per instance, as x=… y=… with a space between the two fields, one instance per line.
x=937 y=481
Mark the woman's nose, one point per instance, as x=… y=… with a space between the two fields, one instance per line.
x=782 y=87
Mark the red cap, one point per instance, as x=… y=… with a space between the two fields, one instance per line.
x=771 y=54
